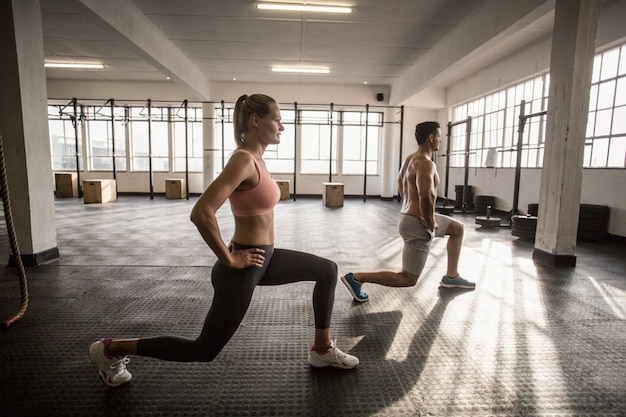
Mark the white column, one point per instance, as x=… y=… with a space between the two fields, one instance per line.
x=24 y=129
x=209 y=144
x=390 y=154
x=571 y=65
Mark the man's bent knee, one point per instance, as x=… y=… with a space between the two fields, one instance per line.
x=455 y=228
x=409 y=278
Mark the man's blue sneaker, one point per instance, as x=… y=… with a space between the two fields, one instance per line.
x=355 y=287
x=456 y=282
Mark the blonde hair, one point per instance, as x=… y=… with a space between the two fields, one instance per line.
x=246 y=106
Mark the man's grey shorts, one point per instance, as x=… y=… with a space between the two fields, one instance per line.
x=417 y=240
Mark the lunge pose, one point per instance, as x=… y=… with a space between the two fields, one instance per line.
x=418 y=224
x=248 y=261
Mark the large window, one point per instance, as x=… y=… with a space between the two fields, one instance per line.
x=361 y=139
x=319 y=142
x=106 y=137
x=149 y=137
x=154 y=136
x=63 y=138
x=606 y=128
x=495 y=120
x=165 y=138
x=321 y=134
x=191 y=156
x=494 y=127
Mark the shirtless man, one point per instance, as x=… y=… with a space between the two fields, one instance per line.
x=417 y=184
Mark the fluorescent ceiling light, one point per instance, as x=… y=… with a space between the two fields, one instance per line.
x=301 y=70
x=72 y=65
x=303 y=8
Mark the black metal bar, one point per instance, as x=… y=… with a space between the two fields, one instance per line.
x=330 y=158
x=518 y=157
x=400 y=159
x=112 y=106
x=468 y=130
x=460 y=122
x=447 y=180
x=76 y=139
x=150 y=168
x=367 y=110
x=295 y=147
x=540 y=113
x=186 y=104
x=223 y=143
x=519 y=147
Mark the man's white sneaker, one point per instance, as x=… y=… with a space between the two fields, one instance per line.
x=111 y=369
x=332 y=357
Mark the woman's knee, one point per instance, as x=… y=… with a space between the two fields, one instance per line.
x=329 y=270
x=203 y=351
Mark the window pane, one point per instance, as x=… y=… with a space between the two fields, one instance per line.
x=599 y=152
x=609 y=64
x=622 y=62
x=193 y=151
x=355 y=147
x=591 y=123
x=620 y=92
x=603 y=123
x=63 y=143
x=606 y=95
x=160 y=148
x=587 y=154
x=99 y=145
x=120 y=144
x=617 y=155
x=619 y=120
x=149 y=141
x=160 y=164
x=316 y=146
x=593 y=97
x=597 y=61
x=139 y=140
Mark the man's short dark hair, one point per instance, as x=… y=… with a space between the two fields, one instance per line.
x=422 y=130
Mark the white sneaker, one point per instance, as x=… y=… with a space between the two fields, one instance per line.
x=332 y=357
x=112 y=369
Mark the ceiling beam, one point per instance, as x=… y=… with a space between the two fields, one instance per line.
x=493 y=23
x=125 y=20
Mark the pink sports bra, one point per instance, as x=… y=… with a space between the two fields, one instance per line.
x=259 y=199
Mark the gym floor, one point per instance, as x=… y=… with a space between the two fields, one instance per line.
x=531 y=340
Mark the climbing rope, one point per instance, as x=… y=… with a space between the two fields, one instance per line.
x=8 y=215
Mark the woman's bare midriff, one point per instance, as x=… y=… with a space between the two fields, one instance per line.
x=254 y=230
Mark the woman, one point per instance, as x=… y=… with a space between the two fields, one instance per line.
x=248 y=261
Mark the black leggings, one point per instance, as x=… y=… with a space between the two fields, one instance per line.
x=233 y=292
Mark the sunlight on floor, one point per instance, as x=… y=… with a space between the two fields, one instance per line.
x=610 y=294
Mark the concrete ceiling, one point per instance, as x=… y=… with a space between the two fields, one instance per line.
x=391 y=43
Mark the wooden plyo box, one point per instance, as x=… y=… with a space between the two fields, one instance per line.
x=99 y=191
x=175 y=188
x=66 y=184
x=333 y=194
x=284 y=189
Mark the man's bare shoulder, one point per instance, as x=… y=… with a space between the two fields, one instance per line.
x=417 y=161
